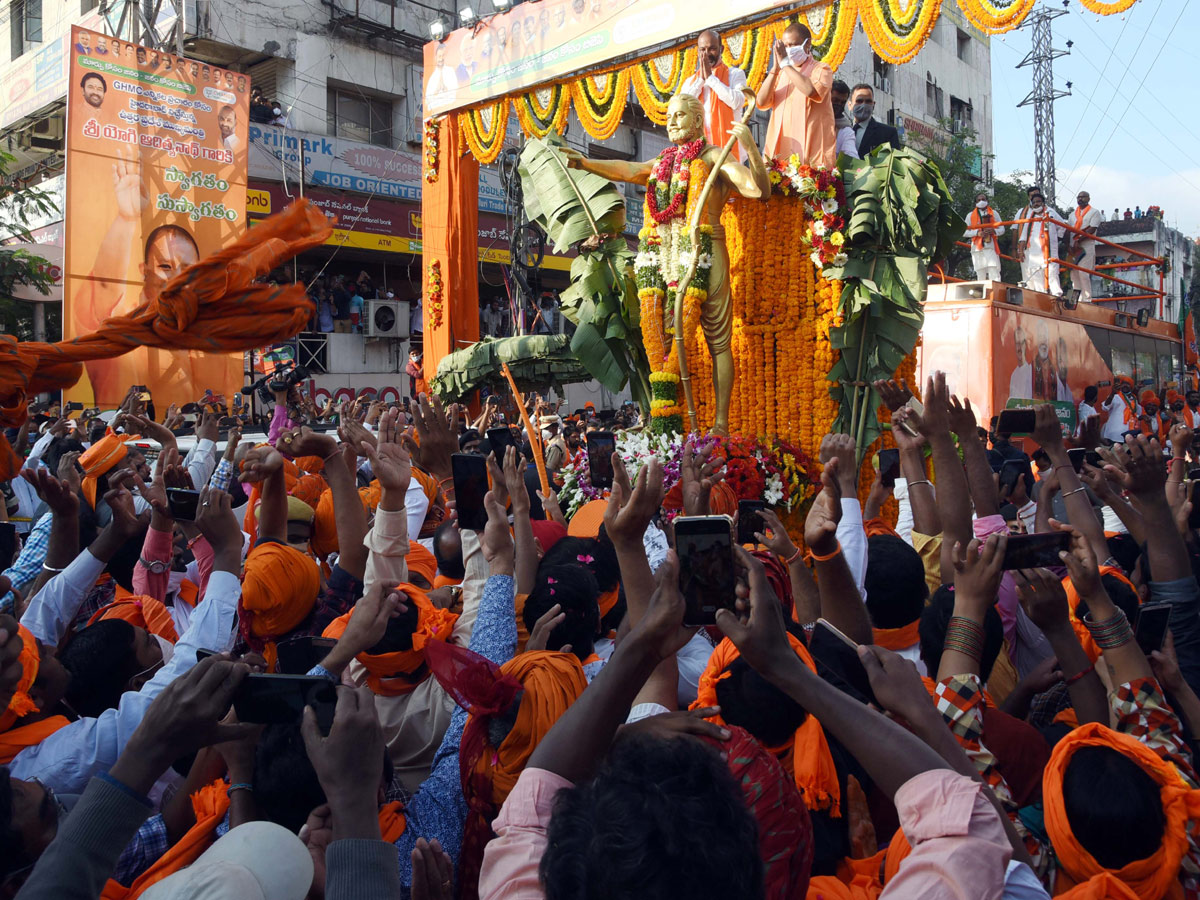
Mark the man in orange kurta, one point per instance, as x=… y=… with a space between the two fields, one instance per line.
x=797 y=93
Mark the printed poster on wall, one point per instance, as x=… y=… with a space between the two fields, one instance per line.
x=156 y=180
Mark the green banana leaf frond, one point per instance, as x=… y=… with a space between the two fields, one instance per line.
x=536 y=361
x=570 y=205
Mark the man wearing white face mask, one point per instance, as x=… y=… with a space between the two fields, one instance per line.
x=797 y=93
x=983 y=233
x=1037 y=242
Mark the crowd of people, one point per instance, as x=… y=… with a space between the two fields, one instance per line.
x=516 y=709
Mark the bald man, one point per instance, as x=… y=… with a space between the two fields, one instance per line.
x=718 y=87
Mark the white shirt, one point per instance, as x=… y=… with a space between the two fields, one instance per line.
x=1115 y=426
x=1086 y=411
x=846 y=143
x=853 y=538
x=1091 y=219
x=201 y=461
x=729 y=94
x=1032 y=232
x=67 y=759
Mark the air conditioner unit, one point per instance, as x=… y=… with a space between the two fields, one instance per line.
x=386 y=319
x=47 y=134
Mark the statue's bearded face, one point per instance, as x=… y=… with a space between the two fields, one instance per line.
x=685 y=119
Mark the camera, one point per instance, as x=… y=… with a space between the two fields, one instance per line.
x=285 y=377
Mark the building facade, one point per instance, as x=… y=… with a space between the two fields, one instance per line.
x=1148 y=236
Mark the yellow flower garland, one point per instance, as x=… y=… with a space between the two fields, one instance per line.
x=1102 y=8
x=655 y=92
x=485 y=144
x=898 y=36
x=996 y=17
x=600 y=106
x=832 y=29
x=538 y=120
x=755 y=52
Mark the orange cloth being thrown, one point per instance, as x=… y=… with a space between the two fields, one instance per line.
x=808 y=753
x=215 y=306
x=279 y=588
x=14 y=740
x=395 y=674
x=1080 y=876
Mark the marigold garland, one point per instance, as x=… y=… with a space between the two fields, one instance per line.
x=753 y=51
x=1102 y=8
x=599 y=102
x=435 y=294
x=484 y=128
x=538 y=118
x=996 y=16
x=832 y=29
x=897 y=35
x=431 y=134
x=657 y=80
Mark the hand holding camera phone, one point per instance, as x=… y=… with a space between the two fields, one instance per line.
x=470 y=487
x=707 y=578
x=601 y=445
x=750 y=521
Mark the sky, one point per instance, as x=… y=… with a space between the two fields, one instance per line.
x=1130 y=131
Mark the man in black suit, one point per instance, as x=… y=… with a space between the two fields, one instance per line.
x=869 y=134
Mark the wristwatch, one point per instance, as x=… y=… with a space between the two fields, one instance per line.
x=155 y=567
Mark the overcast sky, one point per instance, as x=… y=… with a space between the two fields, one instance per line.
x=1130 y=131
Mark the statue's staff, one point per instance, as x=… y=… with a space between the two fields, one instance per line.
x=694 y=236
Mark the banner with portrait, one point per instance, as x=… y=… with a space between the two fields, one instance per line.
x=156 y=180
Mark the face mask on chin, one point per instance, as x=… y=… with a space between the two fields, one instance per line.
x=168 y=649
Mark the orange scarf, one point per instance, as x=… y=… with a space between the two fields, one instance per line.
x=21 y=704
x=976 y=222
x=209 y=804
x=396 y=674
x=140 y=610
x=897 y=638
x=15 y=740
x=1081 y=877
x=720 y=117
x=812 y=766
x=392 y=821
x=861 y=879
x=1079 y=214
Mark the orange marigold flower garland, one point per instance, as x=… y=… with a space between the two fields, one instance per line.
x=435 y=294
x=431 y=132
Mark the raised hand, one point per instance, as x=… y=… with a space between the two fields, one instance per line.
x=514 y=481
x=962 y=418
x=216 y=521
x=1047 y=431
x=776 y=539
x=820 y=528
x=1043 y=599
x=977 y=574
x=390 y=461
x=936 y=420
x=496 y=541
x=260 y=463
x=696 y=476
x=132 y=195
x=895 y=682
x=1145 y=476
x=438 y=434
x=539 y=635
x=761 y=639
x=120 y=501
x=628 y=515
x=662 y=625
x=57 y=493
x=303 y=441
x=903 y=438
x=841 y=447
x=1080 y=561
x=432 y=872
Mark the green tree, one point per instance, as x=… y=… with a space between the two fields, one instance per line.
x=19 y=267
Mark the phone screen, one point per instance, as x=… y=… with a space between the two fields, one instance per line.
x=1077 y=455
x=183 y=503
x=280 y=699
x=8 y=543
x=299 y=655
x=1016 y=421
x=1092 y=458
x=470 y=487
x=500 y=439
x=750 y=520
x=840 y=654
x=889 y=466
x=1151 y=631
x=706 y=574
x=600 y=446
x=1034 y=551
x=1194 y=515
x=1010 y=473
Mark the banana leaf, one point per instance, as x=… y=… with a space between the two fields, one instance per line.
x=900 y=220
x=536 y=361
x=573 y=206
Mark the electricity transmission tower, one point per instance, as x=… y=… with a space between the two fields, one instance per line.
x=1043 y=95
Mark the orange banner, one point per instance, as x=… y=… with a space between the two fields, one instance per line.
x=156 y=180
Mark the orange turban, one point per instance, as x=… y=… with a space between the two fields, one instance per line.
x=142 y=611
x=396 y=674
x=1148 y=396
x=324 y=535
x=1081 y=631
x=1173 y=397
x=422 y=562
x=545 y=684
x=308 y=488
x=1156 y=876
x=309 y=463
x=722 y=501
x=21 y=704
x=99 y=459
x=428 y=483
x=812 y=766
x=587 y=519
x=279 y=588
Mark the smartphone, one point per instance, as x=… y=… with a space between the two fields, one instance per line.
x=919 y=408
x=1092 y=458
x=1193 y=475
x=144 y=397
x=750 y=520
x=1012 y=472
x=183 y=503
x=1151 y=630
x=280 y=699
x=1034 y=551
x=1194 y=515
x=601 y=445
x=8 y=543
x=889 y=467
x=837 y=652
x=470 y=487
x=74 y=407
x=1078 y=456
x=1016 y=421
x=500 y=439
x=298 y=655
x=706 y=574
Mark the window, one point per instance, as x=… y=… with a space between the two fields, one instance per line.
x=86 y=6
x=961 y=113
x=964 y=46
x=934 y=100
x=353 y=115
x=25 y=26
x=881 y=74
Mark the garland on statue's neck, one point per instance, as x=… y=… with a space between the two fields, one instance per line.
x=664 y=255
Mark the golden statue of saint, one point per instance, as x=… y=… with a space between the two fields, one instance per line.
x=685 y=128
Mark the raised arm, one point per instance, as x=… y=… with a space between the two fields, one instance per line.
x=349 y=516
x=612 y=169
x=953 y=496
x=1048 y=433
x=979 y=472
x=750 y=180
x=841 y=602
